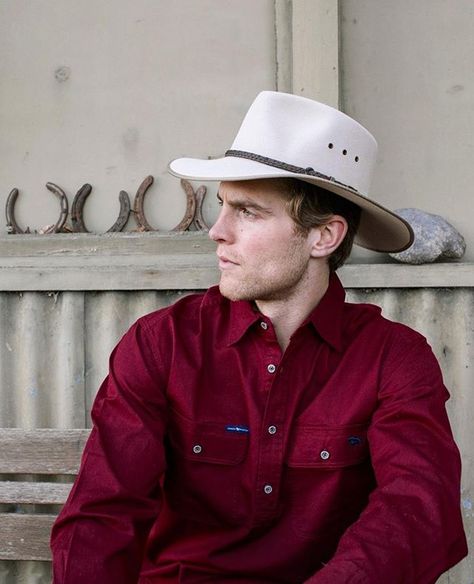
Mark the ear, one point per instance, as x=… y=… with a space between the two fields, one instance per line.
x=328 y=237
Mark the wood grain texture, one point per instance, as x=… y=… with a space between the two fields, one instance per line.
x=25 y=537
x=315 y=48
x=16 y=493
x=42 y=451
x=151 y=261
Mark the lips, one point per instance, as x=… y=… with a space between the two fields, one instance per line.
x=225 y=262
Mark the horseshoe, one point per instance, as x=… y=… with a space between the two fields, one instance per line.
x=143 y=224
x=12 y=225
x=198 y=218
x=56 y=228
x=78 y=225
x=190 y=207
x=124 y=213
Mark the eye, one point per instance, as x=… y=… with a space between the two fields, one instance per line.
x=220 y=202
x=246 y=213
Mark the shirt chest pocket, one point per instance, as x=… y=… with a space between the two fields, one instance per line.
x=328 y=480
x=324 y=447
x=204 y=474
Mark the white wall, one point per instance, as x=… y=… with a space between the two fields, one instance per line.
x=108 y=92
x=407 y=74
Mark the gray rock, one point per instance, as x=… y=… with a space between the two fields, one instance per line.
x=435 y=238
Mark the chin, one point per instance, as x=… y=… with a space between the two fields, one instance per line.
x=232 y=293
x=235 y=290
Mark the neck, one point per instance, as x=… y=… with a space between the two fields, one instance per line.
x=289 y=312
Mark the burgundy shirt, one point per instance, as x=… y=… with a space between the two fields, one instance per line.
x=216 y=458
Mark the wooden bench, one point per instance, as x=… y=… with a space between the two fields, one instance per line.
x=25 y=530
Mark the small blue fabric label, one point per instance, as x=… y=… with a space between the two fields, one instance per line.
x=354 y=440
x=243 y=429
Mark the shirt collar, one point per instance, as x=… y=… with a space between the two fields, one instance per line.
x=326 y=318
x=243 y=315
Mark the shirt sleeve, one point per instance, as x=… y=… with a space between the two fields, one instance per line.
x=100 y=535
x=411 y=530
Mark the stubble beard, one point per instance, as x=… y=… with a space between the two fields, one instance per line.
x=267 y=286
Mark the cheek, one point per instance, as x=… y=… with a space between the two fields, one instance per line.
x=278 y=254
x=268 y=249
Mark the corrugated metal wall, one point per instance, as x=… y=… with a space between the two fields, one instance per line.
x=54 y=350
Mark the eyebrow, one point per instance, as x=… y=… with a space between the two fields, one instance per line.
x=237 y=203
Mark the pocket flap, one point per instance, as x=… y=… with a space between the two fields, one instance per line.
x=209 y=442
x=327 y=447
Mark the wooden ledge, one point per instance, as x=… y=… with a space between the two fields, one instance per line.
x=170 y=261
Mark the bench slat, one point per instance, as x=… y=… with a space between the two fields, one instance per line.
x=34 y=493
x=25 y=537
x=44 y=451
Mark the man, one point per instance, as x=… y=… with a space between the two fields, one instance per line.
x=266 y=431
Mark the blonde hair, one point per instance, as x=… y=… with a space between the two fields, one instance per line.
x=309 y=206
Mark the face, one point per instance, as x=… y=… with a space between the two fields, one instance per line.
x=261 y=255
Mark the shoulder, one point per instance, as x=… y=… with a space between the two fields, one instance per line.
x=389 y=343
x=404 y=355
x=367 y=319
x=153 y=338
x=187 y=312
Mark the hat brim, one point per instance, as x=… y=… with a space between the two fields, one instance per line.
x=380 y=229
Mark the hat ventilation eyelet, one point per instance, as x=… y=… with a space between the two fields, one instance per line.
x=330 y=145
x=356 y=159
x=344 y=152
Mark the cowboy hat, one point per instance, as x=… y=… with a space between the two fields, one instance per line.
x=288 y=136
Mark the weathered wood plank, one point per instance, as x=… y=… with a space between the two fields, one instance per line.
x=155 y=261
x=119 y=273
x=438 y=275
x=89 y=244
x=200 y=272
x=315 y=49
x=25 y=537
x=283 y=41
x=44 y=451
x=34 y=492
x=110 y=244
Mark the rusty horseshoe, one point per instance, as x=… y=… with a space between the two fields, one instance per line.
x=57 y=227
x=124 y=213
x=77 y=220
x=143 y=224
x=199 y=222
x=190 y=207
x=12 y=225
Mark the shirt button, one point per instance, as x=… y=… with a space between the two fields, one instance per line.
x=267 y=489
x=272 y=429
x=264 y=325
x=197 y=449
x=324 y=454
x=271 y=368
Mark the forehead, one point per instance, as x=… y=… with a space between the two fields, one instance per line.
x=270 y=191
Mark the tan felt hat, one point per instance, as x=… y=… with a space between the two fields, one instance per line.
x=290 y=136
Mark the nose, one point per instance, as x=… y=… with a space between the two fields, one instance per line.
x=220 y=231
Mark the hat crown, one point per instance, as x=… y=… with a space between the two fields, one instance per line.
x=308 y=134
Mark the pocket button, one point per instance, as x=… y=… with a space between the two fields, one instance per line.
x=324 y=454
x=197 y=449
